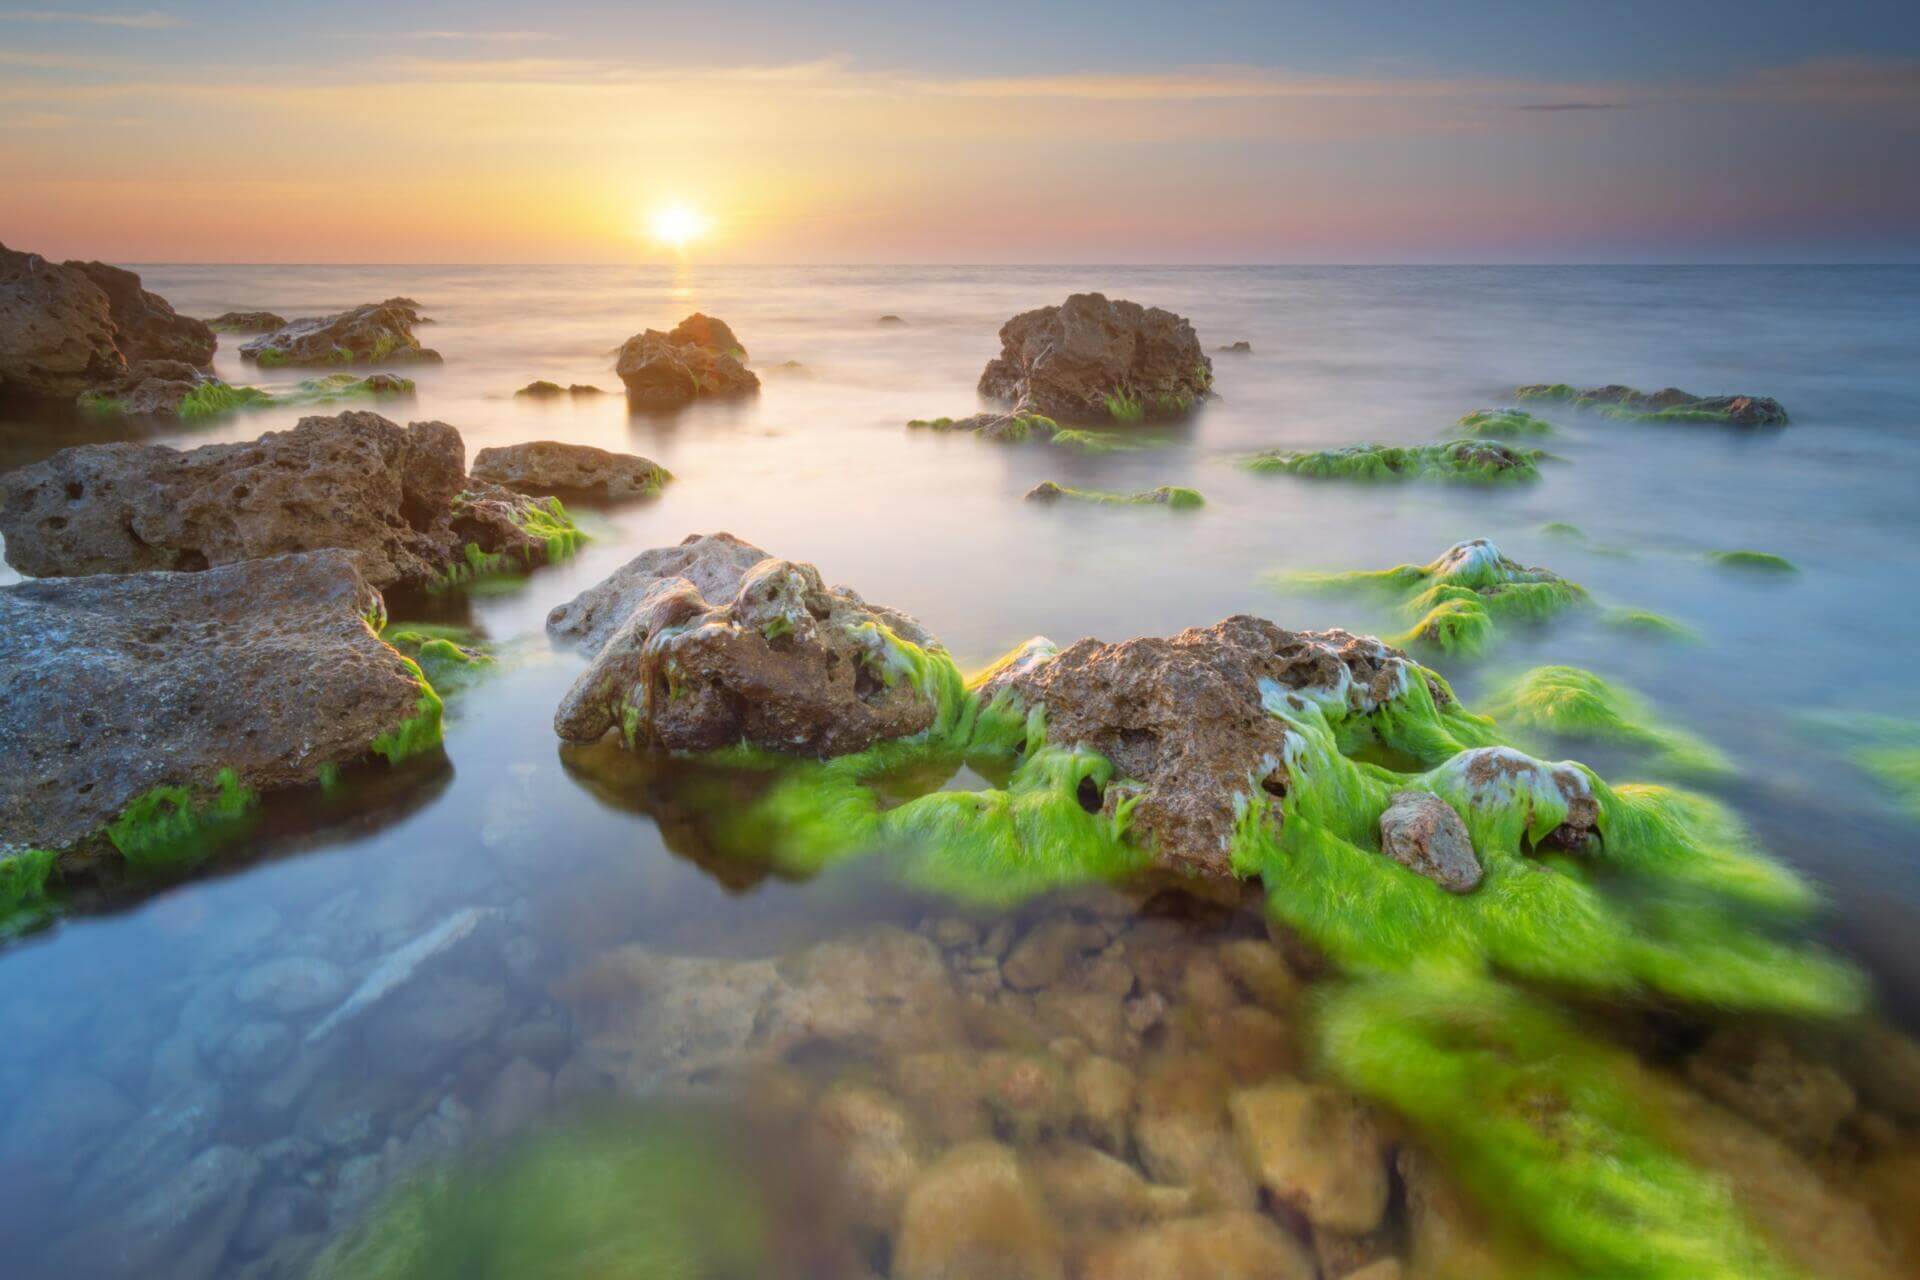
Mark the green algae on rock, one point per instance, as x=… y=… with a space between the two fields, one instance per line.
x=1465 y=461
x=1752 y=561
x=1578 y=705
x=1505 y=424
x=1628 y=404
x=171 y=826
x=1166 y=495
x=1459 y=599
x=1646 y=623
x=23 y=889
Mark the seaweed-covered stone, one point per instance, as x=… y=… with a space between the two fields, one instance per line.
x=1422 y=833
x=396 y=498
x=166 y=389
x=721 y=644
x=1091 y=358
x=550 y=467
x=1166 y=495
x=1668 y=405
x=246 y=322
x=377 y=333
x=1471 y=461
x=1500 y=778
x=1187 y=720
x=145 y=325
x=668 y=370
x=113 y=685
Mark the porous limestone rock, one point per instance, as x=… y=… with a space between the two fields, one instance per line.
x=376 y=333
x=548 y=467
x=1422 y=833
x=1091 y=358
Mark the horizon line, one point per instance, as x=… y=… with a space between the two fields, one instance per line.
x=1051 y=266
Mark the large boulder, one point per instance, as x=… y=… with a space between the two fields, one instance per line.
x=113 y=685
x=145 y=325
x=1091 y=358
x=668 y=370
x=1188 y=718
x=377 y=333
x=396 y=498
x=715 y=643
x=547 y=467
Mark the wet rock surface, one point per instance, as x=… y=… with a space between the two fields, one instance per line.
x=547 y=467
x=1422 y=833
x=377 y=333
x=246 y=322
x=396 y=498
x=1078 y=359
x=699 y=359
x=1669 y=404
x=716 y=643
x=117 y=684
x=145 y=325
x=1186 y=718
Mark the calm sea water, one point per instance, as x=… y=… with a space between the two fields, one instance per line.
x=135 y=1002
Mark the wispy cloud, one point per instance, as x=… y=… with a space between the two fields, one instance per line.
x=1566 y=106
x=478 y=37
x=151 y=20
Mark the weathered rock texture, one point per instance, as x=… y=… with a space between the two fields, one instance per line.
x=246 y=322
x=548 y=467
x=1077 y=360
x=1186 y=718
x=71 y=328
x=714 y=643
x=700 y=358
x=396 y=498
x=377 y=333
x=1422 y=833
x=111 y=685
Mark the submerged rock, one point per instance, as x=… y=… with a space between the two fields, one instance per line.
x=714 y=643
x=976 y=1213
x=1229 y=1245
x=1668 y=405
x=246 y=322
x=1316 y=1149
x=1240 y=348
x=1186 y=721
x=166 y=389
x=1471 y=461
x=547 y=467
x=396 y=498
x=700 y=358
x=377 y=333
x=1422 y=833
x=73 y=328
x=126 y=698
x=1167 y=495
x=1091 y=358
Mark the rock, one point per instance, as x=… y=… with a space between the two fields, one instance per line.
x=1102 y=1093
x=720 y=645
x=1187 y=718
x=1262 y=972
x=152 y=1146
x=71 y=1115
x=1499 y=777
x=1422 y=833
x=1182 y=1131
x=145 y=326
x=291 y=984
x=1091 y=358
x=890 y=319
x=115 y=685
x=397 y=499
x=1317 y=1150
x=1026 y=1093
x=246 y=322
x=868 y=1142
x=277 y=1213
x=975 y=1215
x=1762 y=1077
x=700 y=358
x=56 y=331
x=1240 y=348
x=1238 y=1245
x=377 y=333
x=428 y=1023
x=541 y=390
x=401 y=966
x=520 y=1095
x=1086 y=1186
x=255 y=1050
x=176 y=1227
x=584 y=389
x=546 y=467
x=1668 y=405
x=1166 y=495
x=1383 y=1269
x=1042 y=955
x=153 y=389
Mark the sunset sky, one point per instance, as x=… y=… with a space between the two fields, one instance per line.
x=985 y=132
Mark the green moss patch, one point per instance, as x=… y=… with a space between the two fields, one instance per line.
x=1463 y=461
x=1579 y=706
x=173 y=826
x=24 y=898
x=420 y=732
x=1505 y=424
x=1752 y=561
x=1167 y=495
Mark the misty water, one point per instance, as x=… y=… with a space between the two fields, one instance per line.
x=148 y=1026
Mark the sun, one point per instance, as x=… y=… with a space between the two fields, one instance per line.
x=677 y=225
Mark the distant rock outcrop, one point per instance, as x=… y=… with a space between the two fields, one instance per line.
x=1089 y=358
x=700 y=358
x=246 y=322
x=377 y=333
x=1668 y=405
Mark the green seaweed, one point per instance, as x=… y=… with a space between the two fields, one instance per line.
x=1756 y=561
x=1644 y=622
x=1887 y=748
x=1167 y=495
x=1553 y=392
x=1578 y=705
x=548 y=521
x=1097 y=442
x=1560 y=1132
x=272 y=357
x=344 y=386
x=1124 y=405
x=442 y=659
x=211 y=398
x=1462 y=461
x=1561 y=529
x=420 y=732
x=24 y=901
x=1505 y=424
x=172 y=826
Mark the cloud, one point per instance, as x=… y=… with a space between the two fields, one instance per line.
x=484 y=37
x=1566 y=106
x=151 y=20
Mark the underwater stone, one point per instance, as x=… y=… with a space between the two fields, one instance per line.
x=396 y=498
x=1224 y=1245
x=178 y=1225
x=291 y=984
x=976 y=1213
x=1089 y=358
x=402 y=965
x=760 y=652
x=1185 y=720
x=1761 y=1076
x=869 y=1140
x=700 y=358
x=1422 y=833
x=1317 y=1150
x=111 y=686
x=376 y=333
x=547 y=467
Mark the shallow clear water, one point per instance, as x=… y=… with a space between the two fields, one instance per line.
x=135 y=1000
